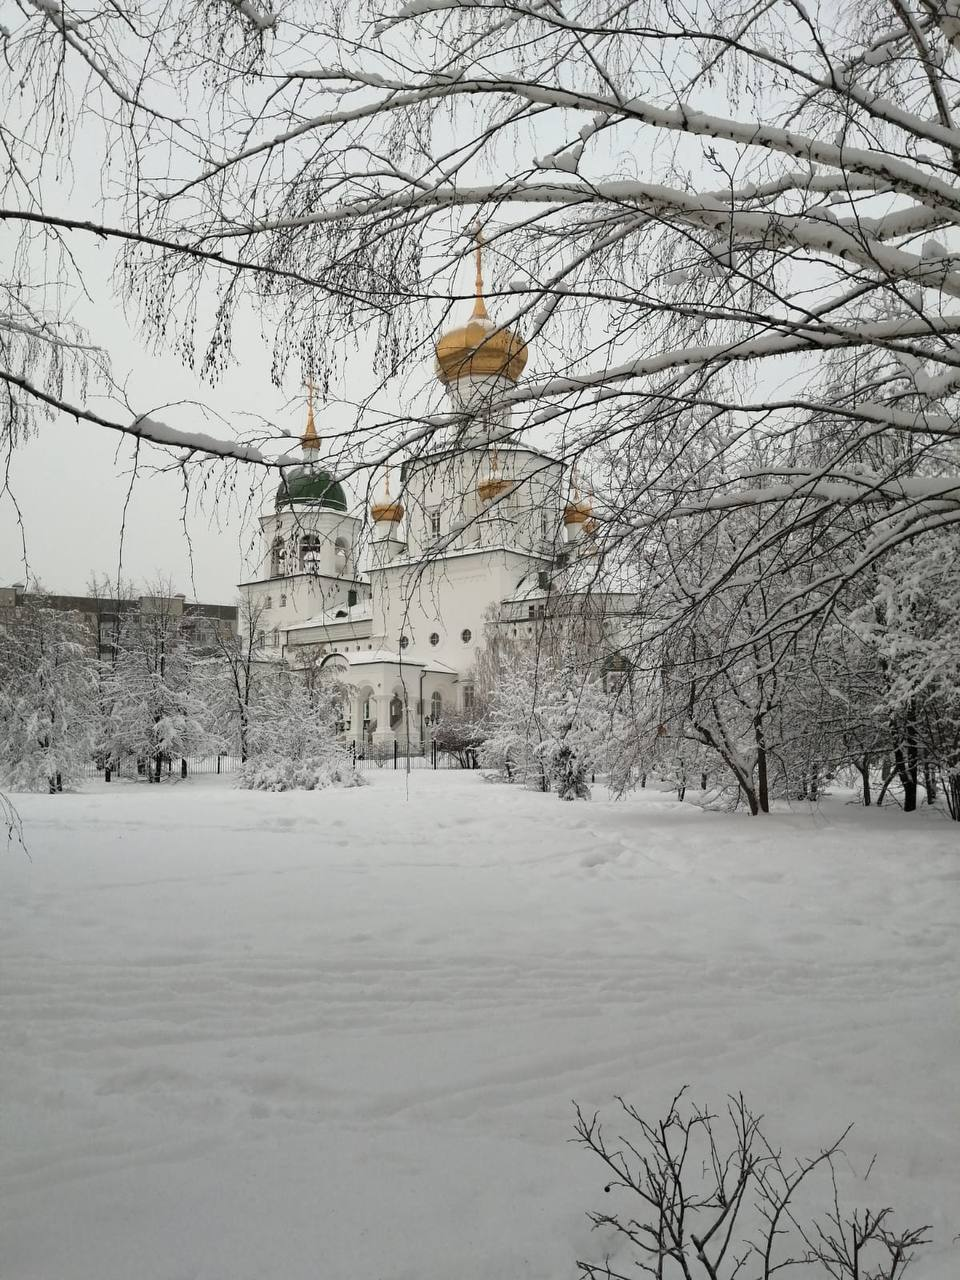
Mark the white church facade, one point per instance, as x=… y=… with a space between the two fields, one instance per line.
x=487 y=529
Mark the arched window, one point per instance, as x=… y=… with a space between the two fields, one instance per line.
x=278 y=557
x=396 y=711
x=436 y=707
x=341 y=555
x=468 y=697
x=311 y=549
x=276 y=637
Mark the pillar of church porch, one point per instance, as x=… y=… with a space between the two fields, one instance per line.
x=356 y=718
x=383 y=733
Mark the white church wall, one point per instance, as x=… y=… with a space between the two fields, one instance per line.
x=440 y=494
x=444 y=598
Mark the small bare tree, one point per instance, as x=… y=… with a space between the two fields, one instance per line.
x=709 y=1204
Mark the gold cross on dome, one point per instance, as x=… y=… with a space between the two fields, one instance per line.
x=310 y=439
x=479 y=306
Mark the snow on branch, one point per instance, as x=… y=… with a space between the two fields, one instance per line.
x=150 y=429
x=261 y=18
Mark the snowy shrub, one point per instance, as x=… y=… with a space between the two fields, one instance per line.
x=547 y=728
x=293 y=740
x=698 y=1198
x=283 y=774
x=461 y=736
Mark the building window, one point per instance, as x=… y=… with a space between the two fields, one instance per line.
x=544 y=526
x=310 y=552
x=531 y=611
x=466 y=635
x=468 y=697
x=434 y=516
x=404 y=641
x=268 y=603
x=436 y=707
x=276 y=637
x=541 y=611
x=341 y=552
x=278 y=558
x=434 y=638
x=283 y=602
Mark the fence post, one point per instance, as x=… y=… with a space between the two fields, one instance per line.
x=396 y=753
x=353 y=744
x=106 y=772
x=183 y=766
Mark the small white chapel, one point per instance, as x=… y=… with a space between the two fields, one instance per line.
x=492 y=528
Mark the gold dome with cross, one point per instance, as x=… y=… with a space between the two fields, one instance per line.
x=479 y=349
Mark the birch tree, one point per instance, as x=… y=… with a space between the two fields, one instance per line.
x=710 y=223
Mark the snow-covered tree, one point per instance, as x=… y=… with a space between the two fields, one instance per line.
x=461 y=734
x=912 y=624
x=715 y=226
x=156 y=714
x=293 y=739
x=547 y=727
x=47 y=699
x=232 y=679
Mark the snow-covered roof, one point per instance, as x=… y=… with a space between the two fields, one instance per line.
x=371 y=657
x=429 y=557
x=583 y=575
x=362 y=612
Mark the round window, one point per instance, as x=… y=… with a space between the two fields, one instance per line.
x=466 y=635
x=404 y=641
x=434 y=638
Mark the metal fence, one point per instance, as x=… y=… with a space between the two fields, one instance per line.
x=131 y=767
x=365 y=755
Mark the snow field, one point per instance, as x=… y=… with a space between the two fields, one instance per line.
x=337 y=1034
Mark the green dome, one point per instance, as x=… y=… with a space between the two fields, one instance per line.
x=310 y=484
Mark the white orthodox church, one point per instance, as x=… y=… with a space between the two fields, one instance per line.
x=486 y=529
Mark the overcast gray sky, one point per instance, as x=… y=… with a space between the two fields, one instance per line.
x=75 y=486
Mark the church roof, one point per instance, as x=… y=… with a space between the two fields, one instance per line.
x=311 y=485
x=581 y=575
x=361 y=612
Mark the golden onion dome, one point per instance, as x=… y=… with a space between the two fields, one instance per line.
x=387 y=509
x=493 y=485
x=479 y=348
x=392 y=512
x=578 y=511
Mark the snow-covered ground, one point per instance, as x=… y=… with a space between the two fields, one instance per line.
x=337 y=1034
